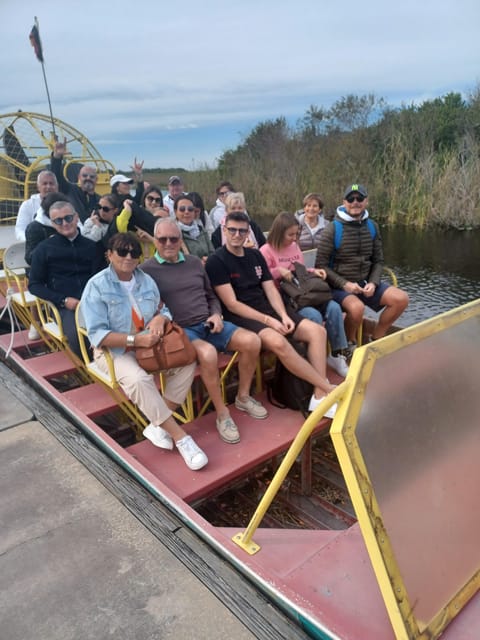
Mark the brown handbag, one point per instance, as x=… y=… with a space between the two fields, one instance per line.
x=174 y=349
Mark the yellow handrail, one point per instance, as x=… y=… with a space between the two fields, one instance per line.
x=244 y=540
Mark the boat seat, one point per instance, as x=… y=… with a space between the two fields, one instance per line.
x=22 y=303
x=110 y=382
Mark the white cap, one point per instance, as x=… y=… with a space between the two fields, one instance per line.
x=119 y=177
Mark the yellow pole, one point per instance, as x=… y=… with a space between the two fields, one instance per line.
x=244 y=540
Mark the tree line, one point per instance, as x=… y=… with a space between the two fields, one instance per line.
x=421 y=162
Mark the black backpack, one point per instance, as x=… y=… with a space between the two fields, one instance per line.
x=286 y=390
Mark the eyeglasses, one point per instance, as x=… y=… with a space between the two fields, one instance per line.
x=351 y=199
x=68 y=218
x=234 y=230
x=152 y=199
x=91 y=176
x=164 y=239
x=106 y=209
x=223 y=193
x=134 y=253
x=182 y=209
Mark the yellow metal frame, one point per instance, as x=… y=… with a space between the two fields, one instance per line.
x=108 y=380
x=17 y=188
x=350 y=395
x=400 y=610
x=223 y=375
x=23 y=303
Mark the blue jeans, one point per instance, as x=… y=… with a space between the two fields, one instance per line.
x=333 y=323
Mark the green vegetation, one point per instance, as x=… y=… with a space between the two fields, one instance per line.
x=421 y=163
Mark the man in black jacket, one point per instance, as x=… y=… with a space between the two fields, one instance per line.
x=62 y=265
x=83 y=195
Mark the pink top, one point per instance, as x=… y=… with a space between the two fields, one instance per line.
x=283 y=258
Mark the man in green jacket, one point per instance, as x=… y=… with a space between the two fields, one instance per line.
x=351 y=252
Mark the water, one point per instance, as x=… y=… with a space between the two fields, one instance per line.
x=439 y=269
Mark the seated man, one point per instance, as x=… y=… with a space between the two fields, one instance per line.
x=351 y=252
x=62 y=265
x=186 y=290
x=250 y=299
x=46 y=183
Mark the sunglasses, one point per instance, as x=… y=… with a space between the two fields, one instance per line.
x=67 y=219
x=182 y=209
x=106 y=209
x=134 y=253
x=351 y=199
x=152 y=199
x=223 y=193
x=164 y=239
x=234 y=230
x=90 y=176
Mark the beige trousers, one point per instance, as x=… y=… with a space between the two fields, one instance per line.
x=139 y=386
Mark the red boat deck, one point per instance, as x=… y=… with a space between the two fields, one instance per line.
x=325 y=577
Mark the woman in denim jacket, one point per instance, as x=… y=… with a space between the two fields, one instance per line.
x=122 y=310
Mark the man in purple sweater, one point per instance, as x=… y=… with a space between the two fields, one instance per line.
x=186 y=290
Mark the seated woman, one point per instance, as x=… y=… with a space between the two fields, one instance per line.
x=311 y=221
x=152 y=202
x=121 y=307
x=280 y=253
x=235 y=203
x=96 y=226
x=196 y=240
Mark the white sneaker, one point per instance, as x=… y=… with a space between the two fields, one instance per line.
x=314 y=402
x=33 y=333
x=194 y=457
x=158 y=436
x=338 y=364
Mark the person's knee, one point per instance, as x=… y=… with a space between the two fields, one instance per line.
x=206 y=353
x=308 y=331
x=245 y=341
x=395 y=298
x=354 y=308
x=274 y=341
x=310 y=313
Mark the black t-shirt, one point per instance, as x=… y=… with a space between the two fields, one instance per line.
x=245 y=273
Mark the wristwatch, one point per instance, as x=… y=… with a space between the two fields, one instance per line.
x=130 y=341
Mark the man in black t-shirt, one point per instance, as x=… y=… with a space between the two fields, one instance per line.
x=250 y=299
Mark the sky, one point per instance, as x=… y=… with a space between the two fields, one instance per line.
x=176 y=84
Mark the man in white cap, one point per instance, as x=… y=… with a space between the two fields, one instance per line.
x=175 y=188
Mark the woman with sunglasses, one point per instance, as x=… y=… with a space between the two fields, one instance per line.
x=96 y=226
x=311 y=220
x=123 y=311
x=196 y=240
x=351 y=252
x=153 y=201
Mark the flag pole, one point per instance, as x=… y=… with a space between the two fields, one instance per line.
x=37 y=46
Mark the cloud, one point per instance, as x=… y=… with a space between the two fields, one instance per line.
x=138 y=72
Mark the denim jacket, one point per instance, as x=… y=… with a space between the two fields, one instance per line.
x=106 y=306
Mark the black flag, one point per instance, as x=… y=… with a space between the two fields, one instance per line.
x=35 y=41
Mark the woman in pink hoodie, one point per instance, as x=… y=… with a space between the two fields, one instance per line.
x=281 y=252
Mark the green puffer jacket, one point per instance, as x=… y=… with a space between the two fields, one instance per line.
x=359 y=256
